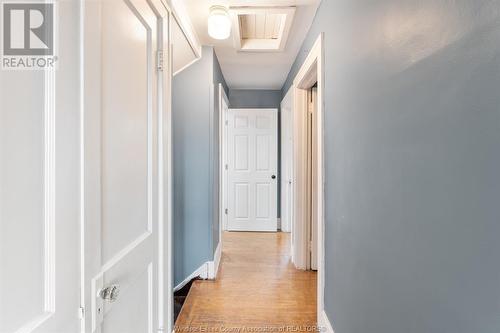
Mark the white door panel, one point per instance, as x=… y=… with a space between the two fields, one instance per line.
x=127 y=52
x=263 y=198
x=39 y=252
x=22 y=197
x=252 y=168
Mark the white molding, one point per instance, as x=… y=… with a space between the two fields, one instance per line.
x=49 y=197
x=187 y=65
x=300 y=228
x=181 y=16
x=166 y=231
x=324 y=323
x=50 y=190
x=207 y=271
x=213 y=266
x=124 y=252
x=81 y=164
x=201 y=272
x=222 y=156
x=286 y=175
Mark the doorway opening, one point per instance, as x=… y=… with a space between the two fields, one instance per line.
x=307 y=170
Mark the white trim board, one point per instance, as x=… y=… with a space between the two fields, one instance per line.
x=222 y=161
x=213 y=266
x=200 y=272
x=187 y=65
x=286 y=156
x=324 y=323
x=181 y=16
x=207 y=271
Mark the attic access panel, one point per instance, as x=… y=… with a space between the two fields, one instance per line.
x=261 y=29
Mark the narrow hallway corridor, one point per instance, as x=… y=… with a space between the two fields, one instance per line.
x=257 y=288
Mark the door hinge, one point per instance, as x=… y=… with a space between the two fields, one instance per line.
x=226 y=211
x=159 y=60
x=81 y=313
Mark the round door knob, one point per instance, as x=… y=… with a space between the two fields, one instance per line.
x=273 y=176
x=110 y=293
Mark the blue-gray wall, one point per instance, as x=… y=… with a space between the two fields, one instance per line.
x=194 y=172
x=247 y=98
x=412 y=145
x=242 y=98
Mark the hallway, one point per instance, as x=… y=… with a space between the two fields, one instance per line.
x=257 y=286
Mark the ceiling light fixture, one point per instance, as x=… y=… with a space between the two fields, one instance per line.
x=219 y=23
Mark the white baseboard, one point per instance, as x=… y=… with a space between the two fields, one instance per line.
x=206 y=271
x=324 y=323
x=213 y=266
x=201 y=272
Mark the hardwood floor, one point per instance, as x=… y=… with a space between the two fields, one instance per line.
x=257 y=286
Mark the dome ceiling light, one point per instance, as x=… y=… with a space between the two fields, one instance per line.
x=219 y=23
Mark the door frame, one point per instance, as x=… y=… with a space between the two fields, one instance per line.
x=222 y=162
x=164 y=184
x=286 y=156
x=310 y=73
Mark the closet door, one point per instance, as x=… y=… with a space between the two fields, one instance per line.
x=124 y=160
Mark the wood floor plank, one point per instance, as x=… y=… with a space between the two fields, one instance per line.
x=257 y=286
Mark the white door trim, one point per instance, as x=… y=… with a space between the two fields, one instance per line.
x=311 y=72
x=286 y=160
x=165 y=186
x=222 y=162
x=180 y=14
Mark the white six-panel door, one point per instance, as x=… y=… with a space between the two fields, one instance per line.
x=252 y=169
x=123 y=167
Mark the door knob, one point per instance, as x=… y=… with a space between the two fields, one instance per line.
x=110 y=293
x=273 y=176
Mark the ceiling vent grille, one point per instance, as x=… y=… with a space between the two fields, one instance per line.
x=261 y=29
